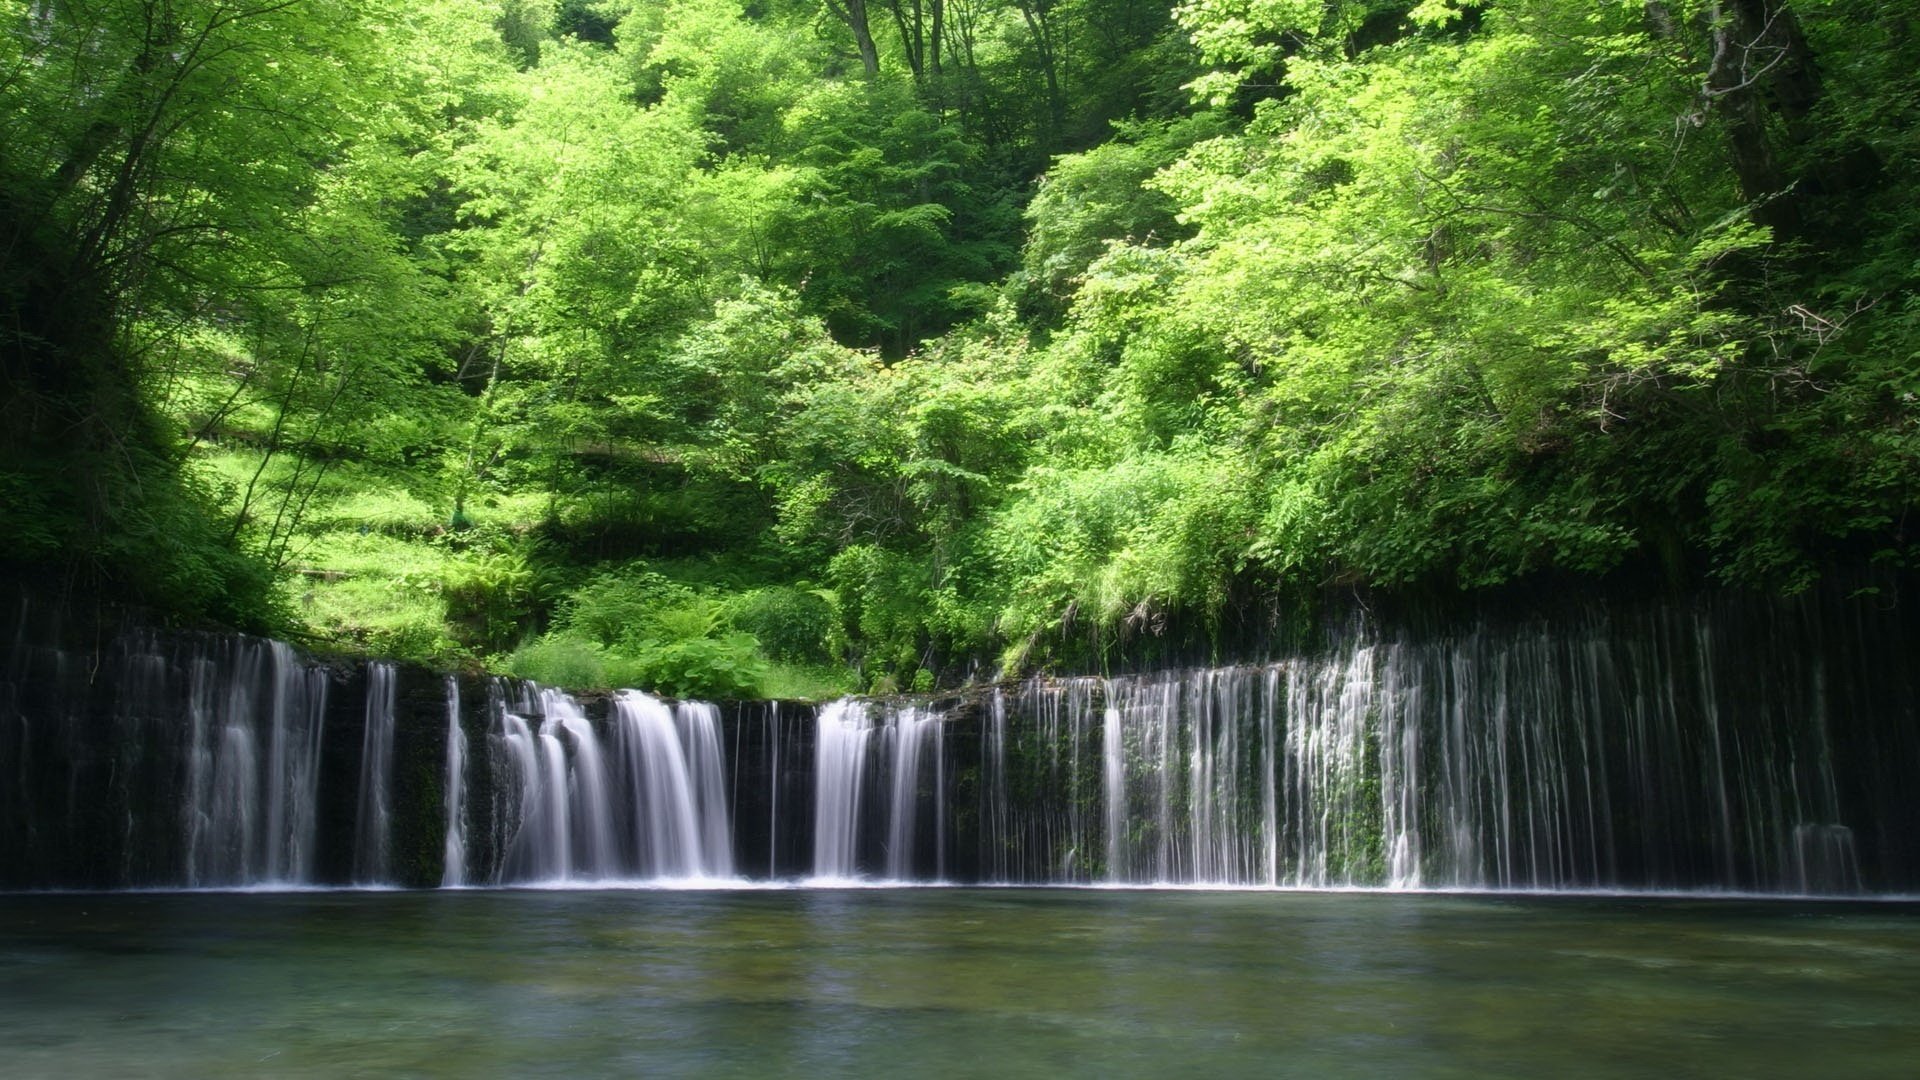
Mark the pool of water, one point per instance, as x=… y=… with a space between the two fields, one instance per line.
x=953 y=982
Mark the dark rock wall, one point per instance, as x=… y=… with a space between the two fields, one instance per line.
x=1724 y=740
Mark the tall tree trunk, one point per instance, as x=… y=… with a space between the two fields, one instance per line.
x=854 y=14
x=1038 y=16
x=1762 y=69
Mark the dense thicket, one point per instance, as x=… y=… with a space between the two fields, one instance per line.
x=735 y=348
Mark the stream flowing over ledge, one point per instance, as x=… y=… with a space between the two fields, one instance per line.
x=1719 y=743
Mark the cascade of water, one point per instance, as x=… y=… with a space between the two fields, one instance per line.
x=672 y=763
x=300 y=704
x=233 y=815
x=907 y=729
x=839 y=773
x=1052 y=838
x=654 y=805
x=1269 y=780
x=531 y=815
x=1400 y=778
x=773 y=791
x=940 y=801
x=1114 y=779
x=373 y=825
x=202 y=851
x=557 y=811
x=1824 y=860
x=1525 y=759
x=1660 y=746
x=455 y=873
x=1138 y=754
x=249 y=813
x=655 y=764
x=995 y=816
x=575 y=765
x=699 y=725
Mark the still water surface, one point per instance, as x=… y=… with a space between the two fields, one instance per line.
x=953 y=982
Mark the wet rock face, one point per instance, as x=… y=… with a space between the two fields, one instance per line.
x=1722 y=742
x=137 y=757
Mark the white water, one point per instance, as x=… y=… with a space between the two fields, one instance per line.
x=648 y=805
x=575 y=763
x=1113 y=756
x=1674 y=750
x=672 y=770
x=455 y=870
x=373 y=824
x=1531 y=761
x=699 y=726
x=250 y=813
x=906 y=730
x=842 y=735
x=906 y=747
x=528 y=840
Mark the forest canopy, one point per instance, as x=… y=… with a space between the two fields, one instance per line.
x=790 y=347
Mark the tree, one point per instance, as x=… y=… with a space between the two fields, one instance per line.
x=158 y=161
x=853 y=14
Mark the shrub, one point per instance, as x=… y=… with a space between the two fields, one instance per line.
x=559 y=660
x=792 y=625
x=729 y=666
x=619 y=606
x=491 y=598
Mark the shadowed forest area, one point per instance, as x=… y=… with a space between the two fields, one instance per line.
x=795 y=347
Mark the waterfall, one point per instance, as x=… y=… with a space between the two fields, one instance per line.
x=939 y=799
x=839 y=774
x=902 y=757
x=907 y=730
x=255 y=717
x=774 y=773
x=531 y=825
x=1739 y=744
x=455 y=869
x=553 y=793
x=1113 y=755
x=996 y=821
x=373 y=826
x=1606 y=755
x=699 y=725
x=649 y=801
x=576 y=766
x=672 y=763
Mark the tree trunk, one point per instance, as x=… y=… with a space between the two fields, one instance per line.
x=854 y=14
x=1762 y=69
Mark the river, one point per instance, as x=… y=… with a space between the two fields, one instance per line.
x=938 y=982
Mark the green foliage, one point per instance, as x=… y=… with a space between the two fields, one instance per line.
x=560 y=661
x=617 y=606
x=791 y=682
x=491 y=597
x=1130 y=541
x=608 y=332
x=793 y=625
x=1098 y=197
x=728 y=666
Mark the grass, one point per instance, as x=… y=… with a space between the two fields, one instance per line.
x=794 y=682
x=369 y=564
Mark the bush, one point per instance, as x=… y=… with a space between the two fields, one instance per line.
x=792 y=625
x=794 y=682
x=421 y=640
x=490 y=599
x=615 y=606
x=702 y=667
x=559 y=660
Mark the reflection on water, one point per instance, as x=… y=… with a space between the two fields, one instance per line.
x=1006 y=983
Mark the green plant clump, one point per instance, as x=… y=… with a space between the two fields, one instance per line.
x=737 y=348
